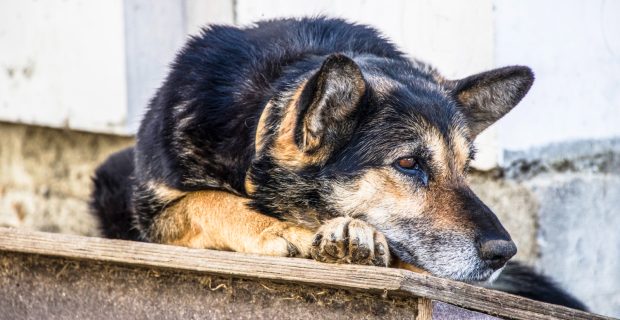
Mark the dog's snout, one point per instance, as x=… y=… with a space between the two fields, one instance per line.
x=494 y=244
x=497 y=252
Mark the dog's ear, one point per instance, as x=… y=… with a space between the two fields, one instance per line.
x=328 y=105
x=486 y=97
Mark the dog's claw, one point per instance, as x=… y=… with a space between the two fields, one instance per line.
x=347 y=240
x=317 y=239
x=380 y=249
x=292 y=250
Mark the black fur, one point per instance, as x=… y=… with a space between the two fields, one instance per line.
x=360 y=101
x=111 y=196
x=521 y=280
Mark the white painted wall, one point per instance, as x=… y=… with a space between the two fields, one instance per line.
x=201 y=12
x=154 y=32
x=456 y=36
x=573 y=46
x=62 y=64
x=92 y=65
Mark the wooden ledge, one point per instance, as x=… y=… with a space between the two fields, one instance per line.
x=377 y=281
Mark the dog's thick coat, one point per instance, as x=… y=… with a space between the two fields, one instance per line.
x=312 y=137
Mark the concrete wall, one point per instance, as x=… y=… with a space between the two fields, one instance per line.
x=45 y=176
x=576 y=188
x=549 y=169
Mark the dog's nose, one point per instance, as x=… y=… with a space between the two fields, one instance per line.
x=497 y=252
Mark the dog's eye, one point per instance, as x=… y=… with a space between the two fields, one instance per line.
x=407 y=163
x=411 y=167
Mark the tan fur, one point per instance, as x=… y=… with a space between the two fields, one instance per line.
x=380 y=194
x=249 y=185
x=165 y=193
x=446 y=213
x=285 y=150
x=222 y=221
x=397 y=263
x=435 y=142
x=261 y=128
x=384 y=197
x=460 y=148
x=450 y=157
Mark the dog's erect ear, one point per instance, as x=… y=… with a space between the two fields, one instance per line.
x=328 y=104
x=486 y=97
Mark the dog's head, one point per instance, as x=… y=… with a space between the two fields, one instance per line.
x=388 y=142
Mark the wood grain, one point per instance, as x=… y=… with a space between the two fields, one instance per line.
x=293 y=270
x=425 y=309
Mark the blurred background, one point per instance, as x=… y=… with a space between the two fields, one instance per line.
x=76 y=75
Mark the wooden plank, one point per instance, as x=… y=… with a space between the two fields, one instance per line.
x=425 y=309
x=292 y=270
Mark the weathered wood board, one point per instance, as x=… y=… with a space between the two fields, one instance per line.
x=55 y=276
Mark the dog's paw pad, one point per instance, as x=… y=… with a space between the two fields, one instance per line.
x=359 y=253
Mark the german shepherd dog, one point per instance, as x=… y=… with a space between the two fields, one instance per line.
x=315 y=138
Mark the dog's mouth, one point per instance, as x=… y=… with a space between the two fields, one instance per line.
x=462 y=266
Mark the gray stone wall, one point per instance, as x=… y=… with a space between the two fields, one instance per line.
x=577 y=190
x=45 y=176
x=558 y=202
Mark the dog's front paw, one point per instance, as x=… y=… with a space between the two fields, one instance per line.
x=348 y=240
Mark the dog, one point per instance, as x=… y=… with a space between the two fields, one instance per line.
x=315 y=137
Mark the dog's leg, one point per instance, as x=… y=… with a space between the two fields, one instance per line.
x=222 y=221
